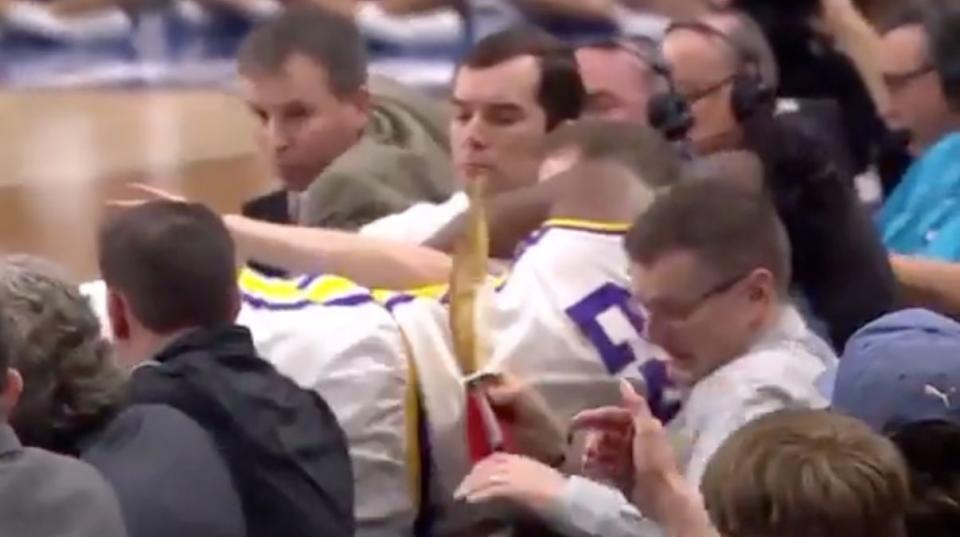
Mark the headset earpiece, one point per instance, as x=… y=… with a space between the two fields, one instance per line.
x=670 y=114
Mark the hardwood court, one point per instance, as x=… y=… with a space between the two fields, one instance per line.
x=63 y=153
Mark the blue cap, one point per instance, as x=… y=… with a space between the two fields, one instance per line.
x=902 y=368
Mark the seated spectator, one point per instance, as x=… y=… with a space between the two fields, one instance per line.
x=42 y=493
x=166 y=472
x=822 y=473
x=172 y=304
x=918 y=222
x=348 y=150
x=710 y=265
x=827 y=227
x=900 y=375
x=619 y=76
x=510 y=90
x=921 y=49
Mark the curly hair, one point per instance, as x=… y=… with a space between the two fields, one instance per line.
x=72 y=385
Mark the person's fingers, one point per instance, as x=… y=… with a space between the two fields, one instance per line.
x=601 y=418
x=492 y=490
x=124 y=204
x=154 y=191
x=478 y=477
x=634 y=402
x=501 y=393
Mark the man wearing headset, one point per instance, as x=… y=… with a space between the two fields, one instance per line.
x=620 y=76
x=724 y=77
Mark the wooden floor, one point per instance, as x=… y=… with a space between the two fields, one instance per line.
x=64 y=153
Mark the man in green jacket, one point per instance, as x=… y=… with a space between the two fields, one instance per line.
x=349 y=149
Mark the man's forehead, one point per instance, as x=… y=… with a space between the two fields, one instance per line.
x=608 y=59
x=298 y=77
x=516 y=80
x=908 y=41
x=672 y=270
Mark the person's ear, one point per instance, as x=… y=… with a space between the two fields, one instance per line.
x=762 y=286
x=362 y=100
x=12 y=389
x=117 y=313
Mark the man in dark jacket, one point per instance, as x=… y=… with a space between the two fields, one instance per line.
x=170 y=271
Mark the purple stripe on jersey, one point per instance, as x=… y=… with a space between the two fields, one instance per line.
x=264 y=304
x=307 y=281
x=661 y=391
x=526 y=243
x=395 y=301
x=353 y=300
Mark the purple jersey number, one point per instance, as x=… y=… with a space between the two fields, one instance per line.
x=586 y=314
x=617 y=356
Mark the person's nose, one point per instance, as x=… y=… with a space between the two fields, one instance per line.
x=276 y=134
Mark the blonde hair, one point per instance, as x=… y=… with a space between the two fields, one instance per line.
x=806 y=473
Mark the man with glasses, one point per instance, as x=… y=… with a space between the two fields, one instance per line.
x=920 y=222
x=708 y=59
x=709 y=264
x=619 y=76
x=918 y=102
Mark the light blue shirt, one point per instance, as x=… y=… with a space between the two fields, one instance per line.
x=922 y=215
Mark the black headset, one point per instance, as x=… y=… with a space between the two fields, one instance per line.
x=667 y=111
x=750 y=94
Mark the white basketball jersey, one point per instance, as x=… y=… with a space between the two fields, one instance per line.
x=561 y=321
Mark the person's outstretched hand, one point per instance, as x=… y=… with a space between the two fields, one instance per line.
x=146 y=193
x=608 y=445
x=514 y=478
x=534 y=429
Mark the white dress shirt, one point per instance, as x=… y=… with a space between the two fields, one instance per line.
x=418 y=223
x=778 y=372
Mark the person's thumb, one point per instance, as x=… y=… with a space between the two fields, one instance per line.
x=632 y=401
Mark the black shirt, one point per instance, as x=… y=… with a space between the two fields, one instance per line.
x=286 y=452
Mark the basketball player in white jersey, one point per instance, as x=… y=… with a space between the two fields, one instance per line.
x=561 y=321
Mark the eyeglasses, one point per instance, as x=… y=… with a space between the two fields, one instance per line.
x=700 y=94
x=897 y=81
x=682 y=313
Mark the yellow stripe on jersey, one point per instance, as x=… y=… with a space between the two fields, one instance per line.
x=316 y=289
x=588 y=225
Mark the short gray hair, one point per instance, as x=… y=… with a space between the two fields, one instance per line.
x=72 y=385
x=751 y=42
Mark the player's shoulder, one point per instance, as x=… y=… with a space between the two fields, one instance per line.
x=263 y=292
x=570 y=237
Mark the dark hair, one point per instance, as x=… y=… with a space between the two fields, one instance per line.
x=641 y=149
x=561 y=94
x=729 y=228
x=930 y=449
x=940 y=21
x=329 y=39
x=173 y=262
